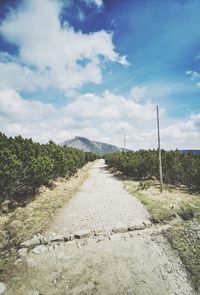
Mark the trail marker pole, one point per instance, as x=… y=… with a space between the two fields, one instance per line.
x=159 y=151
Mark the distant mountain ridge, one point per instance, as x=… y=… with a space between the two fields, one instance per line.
x=87 y=145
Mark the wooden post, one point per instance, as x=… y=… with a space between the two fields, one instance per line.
x=159 y=151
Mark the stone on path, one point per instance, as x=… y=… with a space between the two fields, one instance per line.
x=37 y=240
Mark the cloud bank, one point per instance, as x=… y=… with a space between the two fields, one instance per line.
x=51 y=53
x=101 y=117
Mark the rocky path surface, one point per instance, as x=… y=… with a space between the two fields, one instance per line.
x=102 y=242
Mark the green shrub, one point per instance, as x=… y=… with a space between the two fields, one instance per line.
x=178 y=168
x=25 y=165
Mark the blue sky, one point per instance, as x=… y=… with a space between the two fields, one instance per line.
x=97 y=68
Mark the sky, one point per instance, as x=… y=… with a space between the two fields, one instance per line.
x=98 y=68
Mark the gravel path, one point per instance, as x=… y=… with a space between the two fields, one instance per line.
x=102 y=203
x=104 y=261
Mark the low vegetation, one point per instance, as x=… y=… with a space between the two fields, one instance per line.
x=178 y=206
x=25 y=165
x=178 y=168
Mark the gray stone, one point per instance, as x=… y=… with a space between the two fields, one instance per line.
x=2 y=288
x=59 y=238
x=37 y=240
x=40 y=249
x=68 y=238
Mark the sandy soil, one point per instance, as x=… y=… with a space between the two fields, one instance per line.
x=138 y=262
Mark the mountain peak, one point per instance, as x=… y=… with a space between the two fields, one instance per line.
x=88 y=145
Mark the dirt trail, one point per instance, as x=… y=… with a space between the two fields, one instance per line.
x=110 y=257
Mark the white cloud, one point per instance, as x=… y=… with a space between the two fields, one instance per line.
x=138 y=92
x=182 y=135
x=50 y=54
x=18 y=77
x=13 y=107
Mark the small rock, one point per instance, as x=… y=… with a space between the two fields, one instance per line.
x=39 y=249
x=78 y=245
x=23 y=252
x=57 y=238
x=69 y=238
x=2 y=288
x=82 y=234
x=37 y=240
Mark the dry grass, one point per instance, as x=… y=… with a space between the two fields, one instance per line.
x=181 y=206
x=23 y=223
x=172 y=203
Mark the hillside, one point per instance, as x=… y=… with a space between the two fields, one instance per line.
x=96 y=147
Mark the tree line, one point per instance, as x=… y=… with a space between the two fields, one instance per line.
x=26 y=165
x=178 y=168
